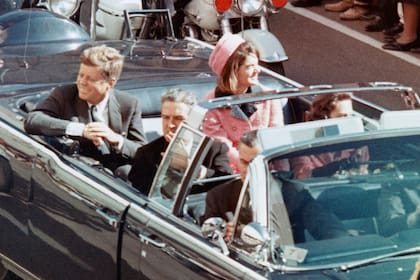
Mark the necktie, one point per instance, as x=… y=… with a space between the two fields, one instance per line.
x=96 y=117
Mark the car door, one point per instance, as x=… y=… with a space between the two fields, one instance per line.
x=16 y=160
x=74 y=221
x=171 y=246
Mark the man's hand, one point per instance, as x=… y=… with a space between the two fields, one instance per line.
x=180 y=157
x=229 y=229
x=98 y=132
x=179 y=160
x=169 y=136
x=413 y=219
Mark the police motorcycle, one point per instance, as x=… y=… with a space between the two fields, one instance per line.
x=208 y=20
x=110 y=19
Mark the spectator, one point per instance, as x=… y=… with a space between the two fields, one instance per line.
x=350 y=9
x=306 y=3
x=304 y=211
x=235 y=61
x=388 y=17
x=408 y=39
x=327 y=106
x=175 y=107
x=107 y=122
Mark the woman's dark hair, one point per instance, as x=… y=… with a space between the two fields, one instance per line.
x=323 y=105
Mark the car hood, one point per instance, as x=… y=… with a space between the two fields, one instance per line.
x=33 y=32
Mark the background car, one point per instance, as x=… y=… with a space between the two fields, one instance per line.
x=34 y=32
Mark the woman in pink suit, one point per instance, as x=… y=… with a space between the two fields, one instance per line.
x=326 y=106
x=235 y=61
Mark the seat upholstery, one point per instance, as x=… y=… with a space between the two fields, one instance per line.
x=354 y=206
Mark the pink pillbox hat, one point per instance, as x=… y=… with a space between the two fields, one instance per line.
x=223 y=50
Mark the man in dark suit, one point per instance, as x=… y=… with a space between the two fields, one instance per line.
x=303 y=211
x=175 y=108
x=107 y=122
x=398 y=208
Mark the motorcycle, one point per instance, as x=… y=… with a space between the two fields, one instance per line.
x=208 y=20
x=113 y=20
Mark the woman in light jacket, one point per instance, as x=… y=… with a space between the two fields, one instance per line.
x=235 y=61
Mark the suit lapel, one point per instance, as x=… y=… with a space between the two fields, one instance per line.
x=114 y=113
x=82 y=111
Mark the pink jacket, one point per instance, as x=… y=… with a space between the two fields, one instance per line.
x=224 y=127
x=302 y=166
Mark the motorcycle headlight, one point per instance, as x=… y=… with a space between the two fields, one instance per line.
x=250 y=7
x=276 y=5
x=222 y=5
x=64 y=7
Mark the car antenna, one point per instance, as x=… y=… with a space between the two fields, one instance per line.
x=25 y=62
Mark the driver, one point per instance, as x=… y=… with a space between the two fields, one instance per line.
x=303 y=210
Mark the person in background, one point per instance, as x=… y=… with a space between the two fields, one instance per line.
x=387 y=18
x=176 y=105
x=235 y=62
x=350 y=9
x=306 y=3
x=325 y=106
x=107 y=122
x=409 y=37
x=398 y=208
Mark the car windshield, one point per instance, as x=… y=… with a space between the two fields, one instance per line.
x=177 y=162
x=348 y=200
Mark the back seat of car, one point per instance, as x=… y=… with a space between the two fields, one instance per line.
x=355 y=206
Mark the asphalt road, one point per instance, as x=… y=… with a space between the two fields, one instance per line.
x=323 y=49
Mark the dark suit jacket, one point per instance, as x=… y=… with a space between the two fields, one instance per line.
x=52 y=116
x=395 y=202
x=148 y=158
x=304 y=212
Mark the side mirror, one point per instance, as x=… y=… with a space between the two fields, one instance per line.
x=213 y=229
x=254 y=234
